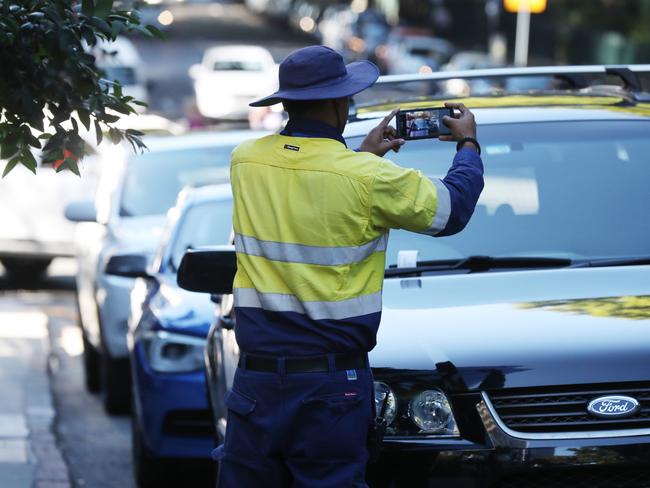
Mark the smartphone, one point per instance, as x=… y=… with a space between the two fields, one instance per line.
x=422 y=123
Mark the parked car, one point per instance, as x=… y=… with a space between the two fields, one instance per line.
x=171 y=422
x=128 y=216
x=230 y=77
x=119 y=60
x=33 y=229
x=408 y=53
x=516 y=352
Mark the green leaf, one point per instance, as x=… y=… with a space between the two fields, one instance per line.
x=140 y=102
x=117 y=89
x=71 y=164
x=88 y=7
x=84 y=116
x=28 y=160
x=143 y=29
x=115 y=135
x=98 y=132
x=45 y=136
x=116 y=28
x=11 y=165
x=8 y=148
x=156 y=32
x=103 y=8
x=101 y=25
x=33 y=141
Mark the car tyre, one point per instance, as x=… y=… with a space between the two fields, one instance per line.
x=92 y=368
x=148 y=471
x=25 y=270
x=116 y=383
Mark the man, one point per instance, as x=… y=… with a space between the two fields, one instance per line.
x=311 y=221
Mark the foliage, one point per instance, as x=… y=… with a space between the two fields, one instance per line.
x=50 y=79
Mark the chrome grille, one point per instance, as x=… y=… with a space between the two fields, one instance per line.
x=564 y=408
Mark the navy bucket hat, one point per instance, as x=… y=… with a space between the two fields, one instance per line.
x=319 y=73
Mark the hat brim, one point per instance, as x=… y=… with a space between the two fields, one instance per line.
x=360 y=75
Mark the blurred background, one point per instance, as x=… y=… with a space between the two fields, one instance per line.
x=401 y=36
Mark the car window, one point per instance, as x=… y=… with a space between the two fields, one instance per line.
x=153 y=179
x=124 y=74
x=570 y=189
x=204 y=224
x=243 y=65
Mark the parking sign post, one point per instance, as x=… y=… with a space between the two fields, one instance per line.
x=523 y=8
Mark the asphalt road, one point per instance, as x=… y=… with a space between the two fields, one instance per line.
x=96 y=447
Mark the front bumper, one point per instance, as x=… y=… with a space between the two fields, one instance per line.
x=172 y=410
x=494 y=458
x=35 y=248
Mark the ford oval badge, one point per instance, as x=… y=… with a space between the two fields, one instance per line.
x=613 y=406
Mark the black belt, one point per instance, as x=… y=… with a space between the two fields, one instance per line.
x=311 y=364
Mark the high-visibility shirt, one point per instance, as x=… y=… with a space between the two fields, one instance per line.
x=311 y=221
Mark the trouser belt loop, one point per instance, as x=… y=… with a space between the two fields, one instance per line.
x=282 y=369
x=331 y=363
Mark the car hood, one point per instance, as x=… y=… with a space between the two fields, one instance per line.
x=181 y=311
x=520 y=328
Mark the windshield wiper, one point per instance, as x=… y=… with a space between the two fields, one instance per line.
x=606 y=262
x=475 y=264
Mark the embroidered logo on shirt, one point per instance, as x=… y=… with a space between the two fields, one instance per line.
x=352 y=374
x=291 y=147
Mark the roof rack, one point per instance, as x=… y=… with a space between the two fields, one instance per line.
x=576 y=77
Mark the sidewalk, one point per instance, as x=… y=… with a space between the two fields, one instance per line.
x=29 y=456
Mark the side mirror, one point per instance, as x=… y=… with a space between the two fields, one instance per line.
x=81 y=211
x=127 y=265
x=209 y=270
x=195 y=71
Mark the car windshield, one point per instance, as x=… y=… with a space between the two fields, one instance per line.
x=204 y=224
x=153 y=179
x=558 y=189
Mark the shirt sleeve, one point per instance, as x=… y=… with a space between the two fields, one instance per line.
x=402 y=198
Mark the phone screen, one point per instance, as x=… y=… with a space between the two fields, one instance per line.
x=422 y=123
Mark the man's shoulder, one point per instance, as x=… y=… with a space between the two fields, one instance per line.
x=251 y=146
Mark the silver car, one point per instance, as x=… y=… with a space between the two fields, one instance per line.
x=128 y=216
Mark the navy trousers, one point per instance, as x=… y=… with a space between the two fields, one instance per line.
x=298 y=430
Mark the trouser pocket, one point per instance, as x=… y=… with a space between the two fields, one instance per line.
x=335 y=425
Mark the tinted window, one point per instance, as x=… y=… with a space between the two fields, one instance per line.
x=154 y=179
x=573 y=189
x=202 y=225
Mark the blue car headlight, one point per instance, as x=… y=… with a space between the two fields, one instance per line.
x=168 y=352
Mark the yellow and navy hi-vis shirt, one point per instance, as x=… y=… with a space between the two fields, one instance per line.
x=311 y=221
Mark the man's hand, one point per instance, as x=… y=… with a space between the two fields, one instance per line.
x=461 y=127
x=382 y=138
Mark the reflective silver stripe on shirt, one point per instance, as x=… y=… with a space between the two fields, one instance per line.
x=279 y=302
x=443 y=210
x=298 y=253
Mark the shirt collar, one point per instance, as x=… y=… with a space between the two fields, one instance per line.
x=312 y=128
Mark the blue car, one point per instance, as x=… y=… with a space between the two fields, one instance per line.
x=167 y=335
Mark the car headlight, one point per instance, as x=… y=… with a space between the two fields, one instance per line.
x=168 y=352
x=385 y=402
x=431 y=412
